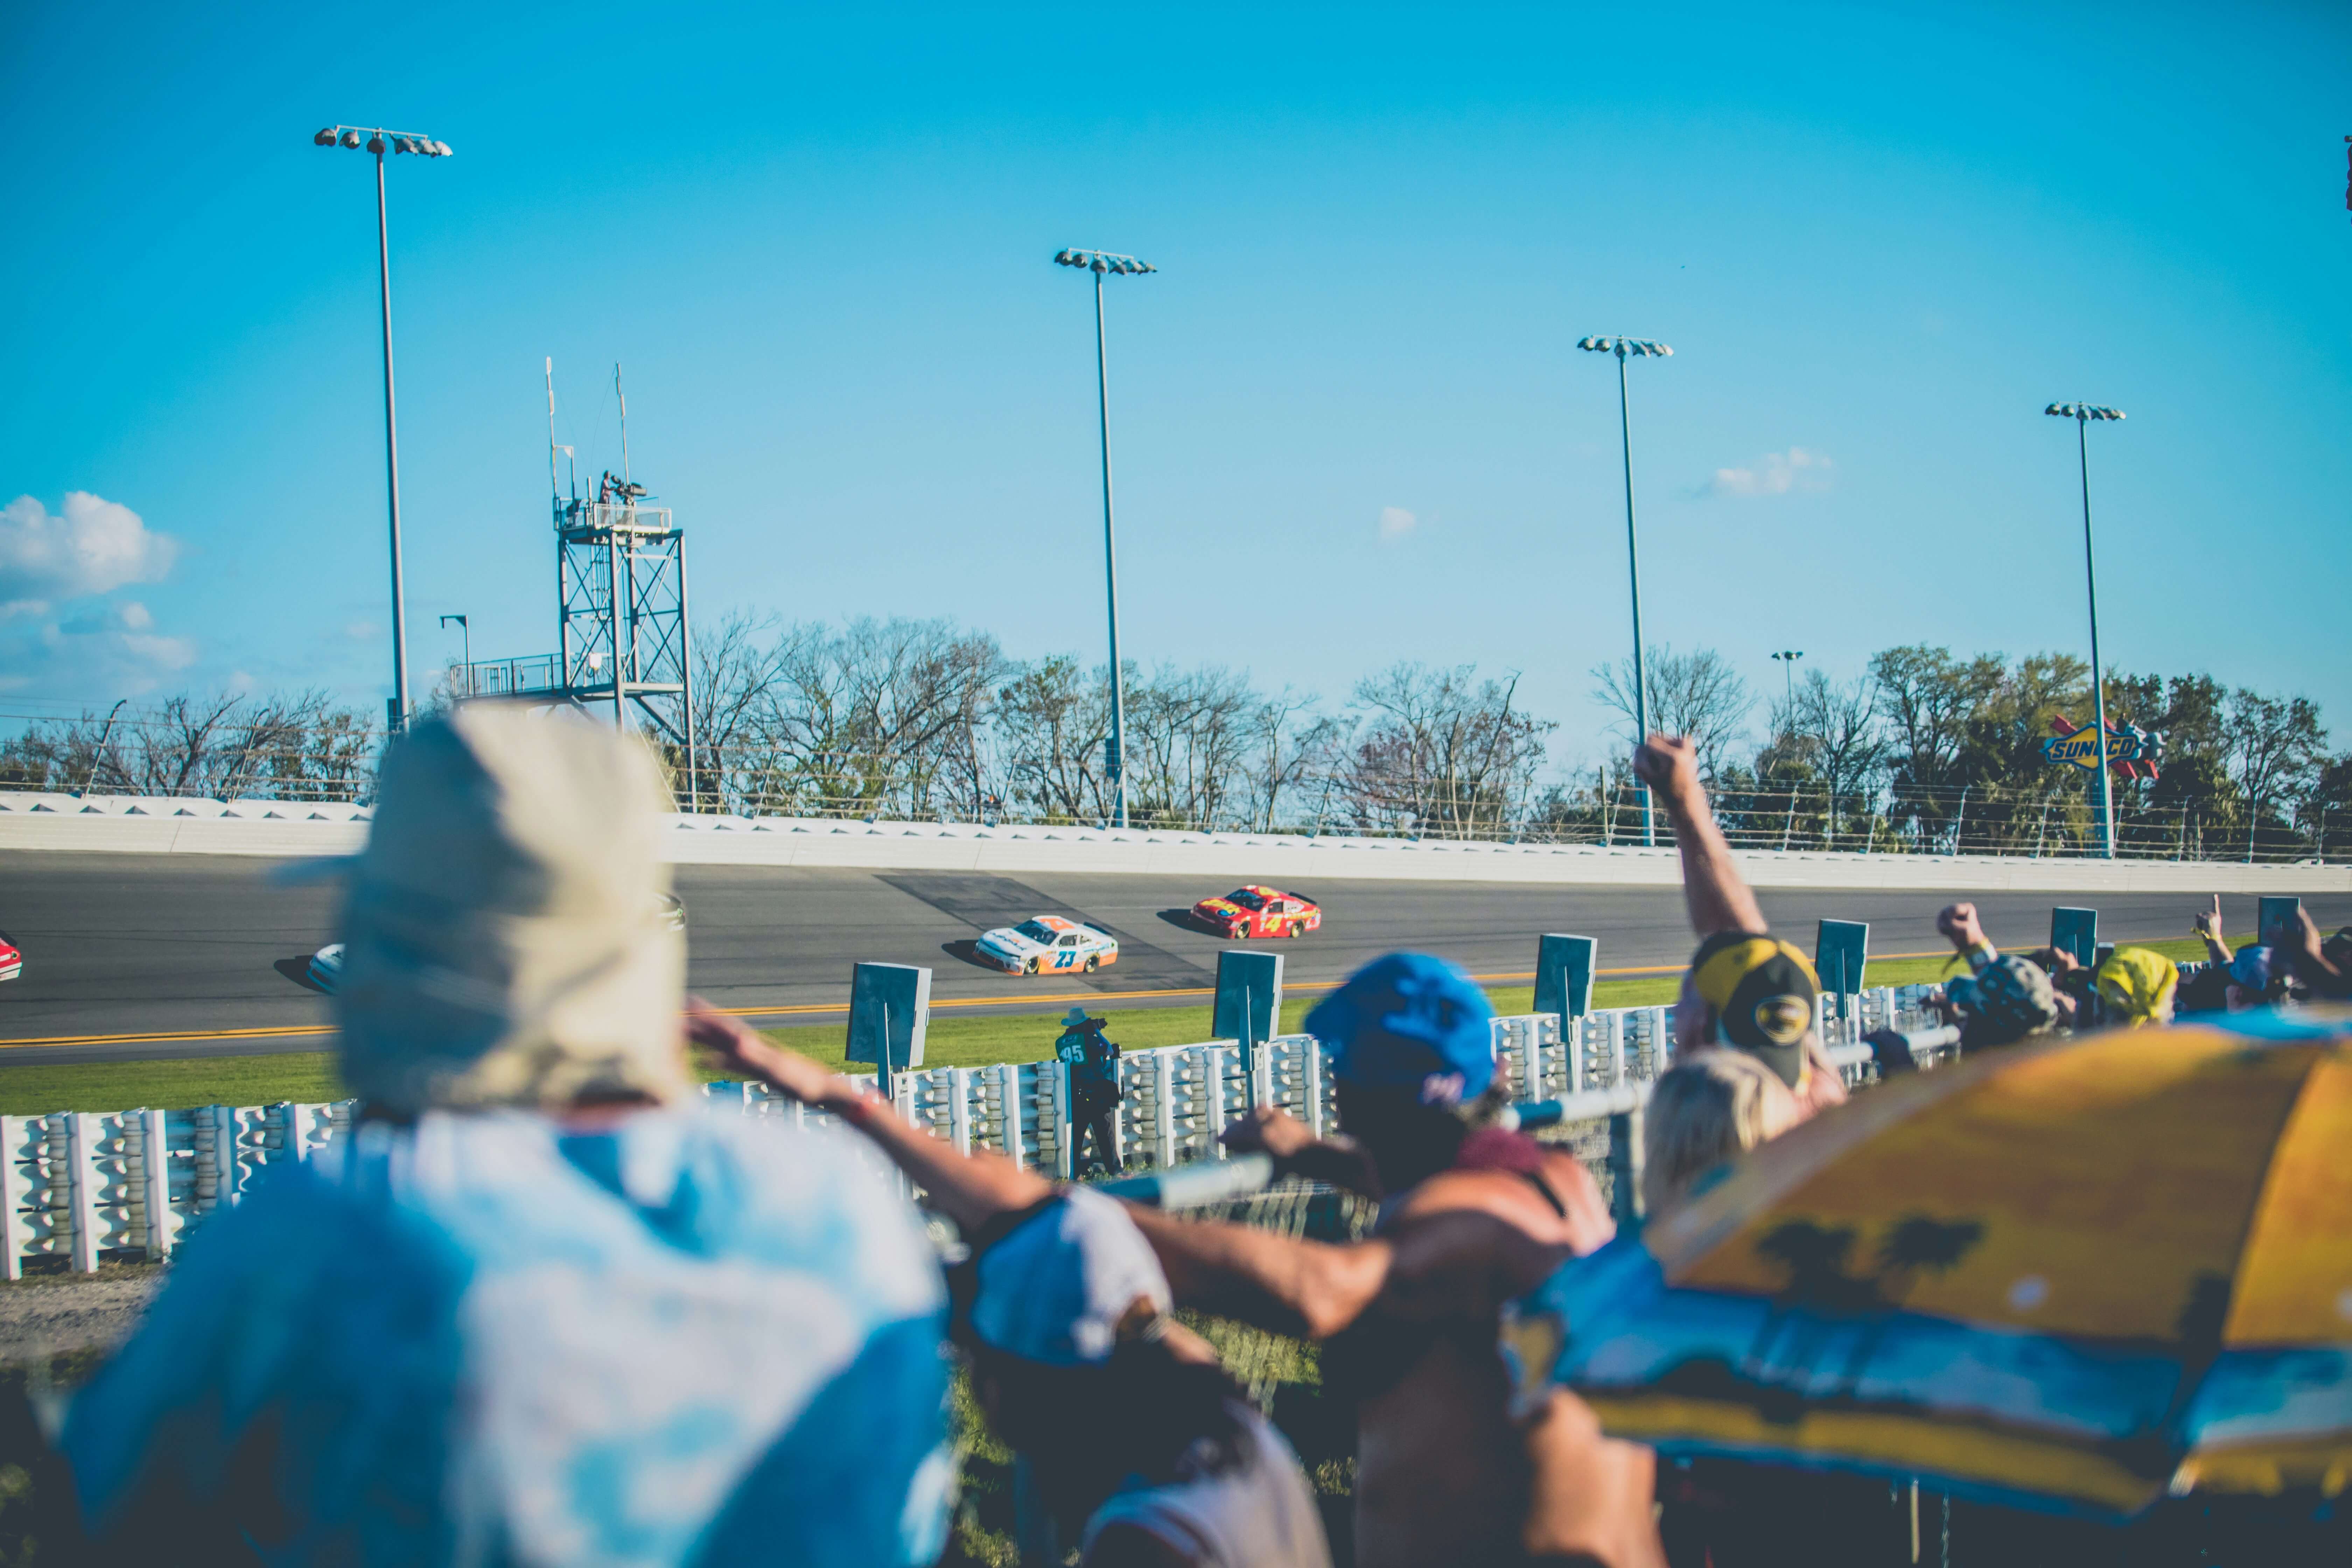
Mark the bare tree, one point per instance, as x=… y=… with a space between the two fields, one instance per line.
x=1189 y=735
x=1294 y=748
x=1053 y=721
x=1834 y=726
x=1697 y=694
x=1442 y=751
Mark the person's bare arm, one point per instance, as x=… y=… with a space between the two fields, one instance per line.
x=1960 y=927
x=2299 y=939
x=2209 y=926
x=1297 y=1151
x=1310 y=1289
x=1824 y=1085
x=970 y=1189
x=1717 y=896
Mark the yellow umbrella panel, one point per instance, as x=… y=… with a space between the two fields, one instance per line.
x=2085 y=1272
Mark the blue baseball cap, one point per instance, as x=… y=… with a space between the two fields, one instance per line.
x=1413 y=1022
x=2252 y=968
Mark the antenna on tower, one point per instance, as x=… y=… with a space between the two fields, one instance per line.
x=554 y=490
x=624 y=420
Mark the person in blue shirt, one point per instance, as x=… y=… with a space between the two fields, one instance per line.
x=539 y=1305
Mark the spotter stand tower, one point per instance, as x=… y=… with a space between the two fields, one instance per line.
x=623 y=638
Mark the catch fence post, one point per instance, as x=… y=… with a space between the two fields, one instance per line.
x=81 y=1169
x=1164 y=1104
x=13 y=1231
x=155 y=1170
x=1625 y=1165
x=1008 y=1096
x=1064 y=1162
x=1311 y=1068
x=959 y=1109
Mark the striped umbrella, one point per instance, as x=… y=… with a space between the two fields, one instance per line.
x=2083 y=1273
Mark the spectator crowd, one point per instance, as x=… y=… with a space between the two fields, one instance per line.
x=539 y=1309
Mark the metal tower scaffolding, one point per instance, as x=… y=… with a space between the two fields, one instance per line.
x=623 y=635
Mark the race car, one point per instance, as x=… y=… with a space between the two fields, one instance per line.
x=1047 y=943
x=327 y=964
x=12 y=962
x=1258 y=911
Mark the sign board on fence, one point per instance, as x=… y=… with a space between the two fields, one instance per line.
x=1564 y=966
x=1249 y=996
x=1839 y=952
x=2076 y=931
x=2275 y=912
x=889 y=1010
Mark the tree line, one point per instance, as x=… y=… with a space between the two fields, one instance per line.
x=1925 y=752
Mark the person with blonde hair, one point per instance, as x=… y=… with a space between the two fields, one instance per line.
x=1703 y=1113
x=540 y=1305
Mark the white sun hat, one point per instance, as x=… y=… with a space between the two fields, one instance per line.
x=501 y=940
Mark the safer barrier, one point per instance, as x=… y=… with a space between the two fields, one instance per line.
x=87 y=1186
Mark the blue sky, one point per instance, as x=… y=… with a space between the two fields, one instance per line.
x=1348 y=417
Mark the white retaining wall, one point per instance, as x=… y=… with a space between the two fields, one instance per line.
x=80 y=1185
x=152 y=825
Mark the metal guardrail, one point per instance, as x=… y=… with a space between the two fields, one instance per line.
x=88 y=1185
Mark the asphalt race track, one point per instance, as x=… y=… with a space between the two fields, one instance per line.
x=160 y=952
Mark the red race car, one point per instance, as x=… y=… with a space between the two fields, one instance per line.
x=12 y=962
x=1258 y=911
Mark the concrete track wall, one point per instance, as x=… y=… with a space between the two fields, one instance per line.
x=155 y=826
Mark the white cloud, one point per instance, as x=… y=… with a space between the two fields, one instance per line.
x=1777 y=474
x=95 y=546
x=107 y=652
x=1396 y=523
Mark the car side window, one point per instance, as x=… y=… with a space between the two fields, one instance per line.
x=1071 y=940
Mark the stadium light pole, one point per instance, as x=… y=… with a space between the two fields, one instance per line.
x=2082 y=413
x=465 y=632
x=1102 y=263
x=377 y=139
x=1624 y=349
x=1787 y=658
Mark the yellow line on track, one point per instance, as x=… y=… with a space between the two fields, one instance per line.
x=819 y=1008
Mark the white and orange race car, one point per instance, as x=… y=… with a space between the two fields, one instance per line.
x=1047 y=944
x=1253 y=910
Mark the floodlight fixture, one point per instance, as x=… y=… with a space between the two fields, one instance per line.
x=2084 y=415
x=379 y=140
x=1636 y=348
x=1101 y=261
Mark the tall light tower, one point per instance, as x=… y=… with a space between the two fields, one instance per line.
x=1787 y=658
x=378 y=141
x=1102 y=263
x=1634 y=348
x=2082 y=413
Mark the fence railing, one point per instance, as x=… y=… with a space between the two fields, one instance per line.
x=81 y=1187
